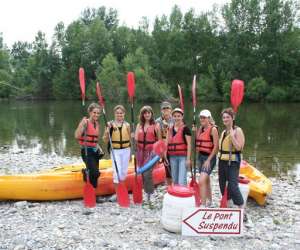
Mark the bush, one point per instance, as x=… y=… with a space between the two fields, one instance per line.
x=208 y=90
x=277 y=94
x=256 y=89
x=226 y=87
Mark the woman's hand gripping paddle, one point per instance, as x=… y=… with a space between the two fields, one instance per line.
x=236 y=98
x=137 y=189
x=193 y=183
x=89 y=195
x=122 y=193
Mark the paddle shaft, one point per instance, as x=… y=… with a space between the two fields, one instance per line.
x=195 y=132
x=110 y=143
x=133 y=141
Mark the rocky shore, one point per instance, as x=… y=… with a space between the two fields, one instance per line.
x=68 y=225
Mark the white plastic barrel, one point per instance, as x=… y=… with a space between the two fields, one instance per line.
x=175 y=200
x=244 y=188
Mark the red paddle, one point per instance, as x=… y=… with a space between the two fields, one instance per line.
x=181 y=98
x=223 y=202
x=137 y=189
x=193 y=182
x=89 y=195
x=236 y=98
x=237 y=94
x=122 y=193
x=82 y=84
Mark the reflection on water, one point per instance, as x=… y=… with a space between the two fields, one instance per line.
x=272 y=130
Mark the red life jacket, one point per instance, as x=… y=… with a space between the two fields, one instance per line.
x=92 y=133
x=204 y=140
x=176 y=144
x=147 y=138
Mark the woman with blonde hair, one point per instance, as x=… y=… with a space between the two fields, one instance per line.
x=119 y=131
x=207 y=147
x=146 y=134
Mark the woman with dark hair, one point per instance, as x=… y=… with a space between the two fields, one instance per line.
x=179 y=148
x=231 y=144
x=87 y=134
x=146 y=134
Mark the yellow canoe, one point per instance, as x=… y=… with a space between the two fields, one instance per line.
x=64 y=182
x=260 y=186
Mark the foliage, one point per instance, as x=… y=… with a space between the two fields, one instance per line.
x=256 y=89
x=257 y=41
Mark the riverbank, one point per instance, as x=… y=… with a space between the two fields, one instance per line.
x=68 y=225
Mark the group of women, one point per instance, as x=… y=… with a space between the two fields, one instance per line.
x=171 y=127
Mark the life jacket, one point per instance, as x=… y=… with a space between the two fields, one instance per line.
x=225 y=146
x=120 y=137
x=177 y=144
x=90 y=139
x=147 y=138
x=204 y=140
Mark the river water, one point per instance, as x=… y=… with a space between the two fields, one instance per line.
x=272 y=130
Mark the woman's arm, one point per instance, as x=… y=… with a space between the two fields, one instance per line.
x=188 y=139
x=80 y=128
x=215 y=136
x=237 y=138
x=136 y=132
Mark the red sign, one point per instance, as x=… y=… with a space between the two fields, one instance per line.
x=212 y=221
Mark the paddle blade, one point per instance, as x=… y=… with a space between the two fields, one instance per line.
x=89 y=195
x=181 y=98
x=82 y=84
x=99 y=95
x=223 y=203
x=159 y=147
x=122 y=195
x=237 y=93
x=137 y=190
x=130 y=85
x=197 y=194
x=194 y=91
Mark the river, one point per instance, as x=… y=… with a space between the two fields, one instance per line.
x=272 y=130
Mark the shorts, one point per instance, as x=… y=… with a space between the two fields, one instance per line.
x=201 y=159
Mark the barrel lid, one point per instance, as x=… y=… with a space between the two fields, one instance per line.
x=180 y=191
x=243 y=180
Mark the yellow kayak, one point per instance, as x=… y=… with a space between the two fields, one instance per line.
x=65 y=182
x=260 y=186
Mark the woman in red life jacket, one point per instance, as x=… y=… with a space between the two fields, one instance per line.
x=179 y=148
x=146 y=134
x=207 y=140
x=87 y=134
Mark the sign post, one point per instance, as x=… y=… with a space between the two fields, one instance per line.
x=212 y=221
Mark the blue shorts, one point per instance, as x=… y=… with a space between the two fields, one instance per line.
x=201 y=159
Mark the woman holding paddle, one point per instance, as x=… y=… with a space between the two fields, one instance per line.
x=231 y=144
x=207 y=147
x=87 y=134
x=146 y=134
x=119 y=131
x=165 y=121
x=179 y=148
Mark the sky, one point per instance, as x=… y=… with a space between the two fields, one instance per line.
x=20 y=20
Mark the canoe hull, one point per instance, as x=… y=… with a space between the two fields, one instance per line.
x=260 y=186
x=64 y=183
